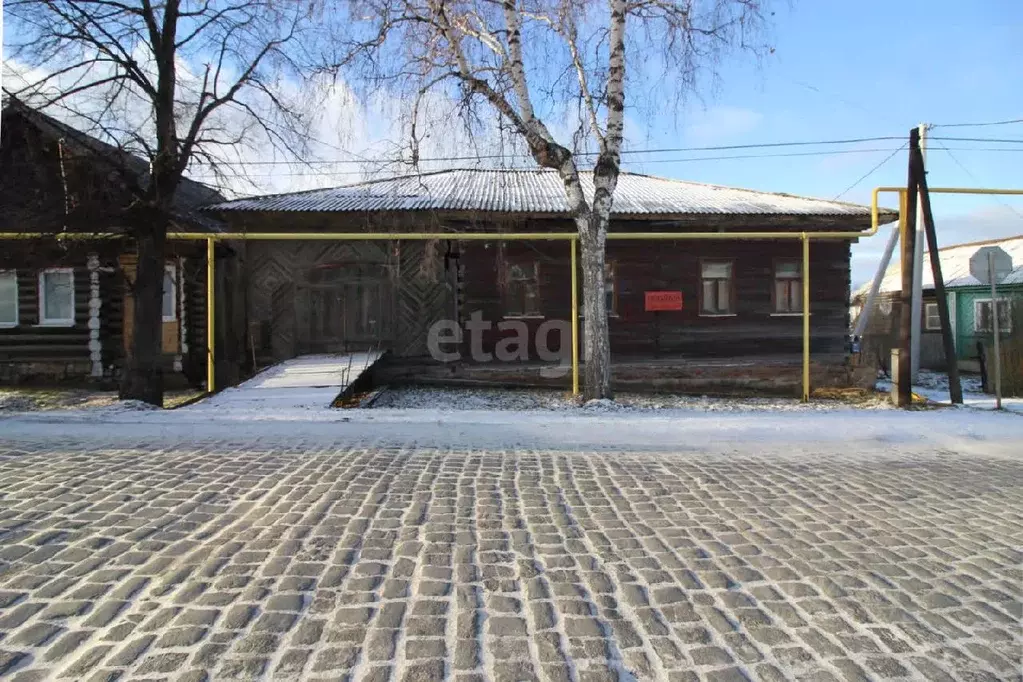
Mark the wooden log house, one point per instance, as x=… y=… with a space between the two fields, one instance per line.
x=738 y=327
x=66 y=305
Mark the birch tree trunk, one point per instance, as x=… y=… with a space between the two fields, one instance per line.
x=476 y=50
x=597 y=348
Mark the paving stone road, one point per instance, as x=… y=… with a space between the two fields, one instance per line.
x=228 y=560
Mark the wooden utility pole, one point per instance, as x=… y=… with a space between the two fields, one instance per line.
x=918 y=266
x=955 y=389
x=904 y=378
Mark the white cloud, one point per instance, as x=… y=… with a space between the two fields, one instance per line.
x=349 y=139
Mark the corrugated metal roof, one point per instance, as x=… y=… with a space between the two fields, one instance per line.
x=540 y=191
x=955 y=266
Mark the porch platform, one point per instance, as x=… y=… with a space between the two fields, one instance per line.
x=308 y=381
x=767 y=374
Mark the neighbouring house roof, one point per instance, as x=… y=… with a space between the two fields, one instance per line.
x=955 y=266
x=542 y=192
x=189 y=198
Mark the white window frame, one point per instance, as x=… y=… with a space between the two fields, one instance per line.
x=173 y=270
x=777 y=310
x=928 y=307
x=55 y=322
x=13 y=274
x=1002 y=329
x=732 y=300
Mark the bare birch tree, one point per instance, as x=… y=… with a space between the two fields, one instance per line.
x=532 y=61
x=175 y=82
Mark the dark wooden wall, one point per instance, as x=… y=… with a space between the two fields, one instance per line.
x=416 y=291
x=39 y=193
x=675 y=265
x=33 y=352
x=29 y=342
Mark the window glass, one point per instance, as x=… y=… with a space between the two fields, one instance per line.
x=610 y=299
x=788 y=287
x=522 y=289
x=933 y=320
x=717 y=270
x=58 y=296
x=170 y=293
x=716 y=288
x=8 y=298
x=787 y=268
x=982 y=321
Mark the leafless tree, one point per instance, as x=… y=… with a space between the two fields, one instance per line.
x=177 y=82
x=533 y=61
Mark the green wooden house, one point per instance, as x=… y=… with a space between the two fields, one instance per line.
x=969 y=303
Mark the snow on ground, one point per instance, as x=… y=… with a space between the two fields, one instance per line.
x=308 y=382
x=934 y=387
x=870 y=432
x=91 y=400
x=25 y=400
x=419 y=397
x=492 y=418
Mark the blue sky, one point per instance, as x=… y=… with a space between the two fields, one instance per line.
x=840 y=70
x=864 y=69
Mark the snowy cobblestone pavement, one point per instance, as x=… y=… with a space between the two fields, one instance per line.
x=230 y=560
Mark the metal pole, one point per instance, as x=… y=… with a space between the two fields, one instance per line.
x=210 y=305
x=806 y=319
x=918 y=268
x=875 y=286
x=575 y=323
x=994 y=326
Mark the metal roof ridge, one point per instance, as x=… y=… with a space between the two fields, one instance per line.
x=537 y=171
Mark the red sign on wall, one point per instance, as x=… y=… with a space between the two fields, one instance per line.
x=663 y=300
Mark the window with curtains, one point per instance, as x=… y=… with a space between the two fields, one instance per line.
x=788 y=286
x=8 y=298
x=982 y=320
x=522 y=289
x=610 y=287
x=170 y=293
x=57 y=297
x=717 y=288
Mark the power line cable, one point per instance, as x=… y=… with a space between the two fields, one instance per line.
x=626 y=161
x=979 y=139
x=648 y=161
x=663 y=150
x=977 y=125
x=975 y=179
x=869 y=172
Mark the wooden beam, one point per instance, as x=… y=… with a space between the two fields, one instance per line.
x=955 y=388
x=907 y=239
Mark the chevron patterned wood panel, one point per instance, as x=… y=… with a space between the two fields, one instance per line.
x=403 y=287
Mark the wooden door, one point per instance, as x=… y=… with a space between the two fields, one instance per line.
x=340 y=312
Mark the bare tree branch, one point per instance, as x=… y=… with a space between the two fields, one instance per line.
x=138 y=73
x=530 y=60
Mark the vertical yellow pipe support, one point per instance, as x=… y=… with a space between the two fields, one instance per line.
x=575 y=322
x=210 y=304
x=806 y=318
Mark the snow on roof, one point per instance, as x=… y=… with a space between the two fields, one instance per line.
x=540 y=191
x=955 y=266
